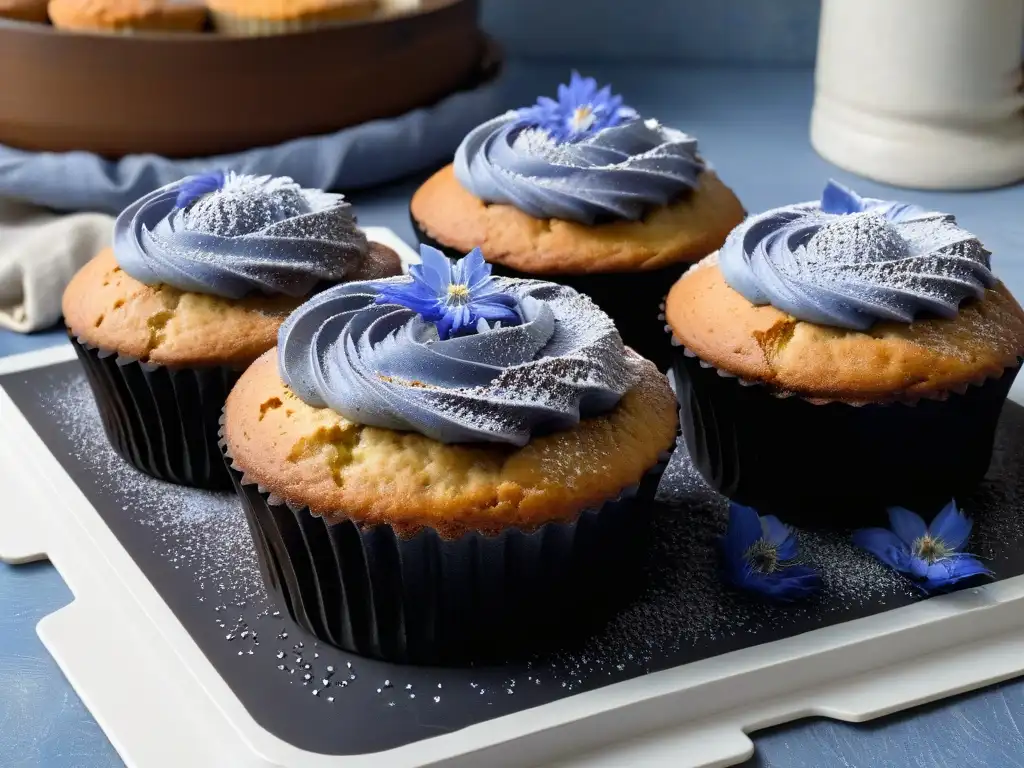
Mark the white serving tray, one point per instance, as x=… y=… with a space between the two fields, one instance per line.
x=163 y=705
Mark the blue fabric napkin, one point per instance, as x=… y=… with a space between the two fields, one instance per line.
x=372 y=153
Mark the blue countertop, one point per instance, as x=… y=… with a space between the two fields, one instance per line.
x=753 y=126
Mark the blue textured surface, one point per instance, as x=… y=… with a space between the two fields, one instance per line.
x=753 y=125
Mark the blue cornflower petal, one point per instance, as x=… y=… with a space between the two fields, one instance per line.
x=400 y=293
x=906 y=524
x=444 y=326
x=427 y=277
x=776 y=532
x=195 y=187
x=477 y=270
x=931 y=568
x=747 y=530
x=455 y=297
x=885 y=545
x=951 y=526
x=744 y=528
x=838 y=199
x=917 y=567
x=582 y=109
x=789 y=584
x=435 y=269
x=946 y=573
x=786 y=584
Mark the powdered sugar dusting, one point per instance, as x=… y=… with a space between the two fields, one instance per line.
x=619 y=172
x=683 y=612
x=381 y=364
x=202 y=532
x=686 y=606
x=257 y=234
x=887 y=262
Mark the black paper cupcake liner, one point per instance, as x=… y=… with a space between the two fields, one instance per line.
x=626 y=297
x=834 y=464
x=430 y=600
x=161 y=420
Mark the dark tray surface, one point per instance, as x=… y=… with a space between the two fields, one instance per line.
x=195 y=548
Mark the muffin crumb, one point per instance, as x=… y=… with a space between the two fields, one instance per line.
x=336 y=442
x=157 y=323
x=775 y=339
x=269 y=405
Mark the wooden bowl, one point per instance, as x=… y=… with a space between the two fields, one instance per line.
x=191 y=95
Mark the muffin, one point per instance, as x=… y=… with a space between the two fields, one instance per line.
x=585 y=192
x=272 y=17
x=841 y=356
x=128 y=15
x=201 y=275
x=447 y=465
x=24 y=10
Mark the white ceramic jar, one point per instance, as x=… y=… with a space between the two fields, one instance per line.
x=922 y=93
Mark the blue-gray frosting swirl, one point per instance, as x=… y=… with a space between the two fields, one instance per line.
x=618 y=173
x=383 y=365
x=886 y=261
x=257 y=234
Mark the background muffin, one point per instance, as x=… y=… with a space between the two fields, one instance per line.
x=201 y=275
x=128 y=15
x=270 y=17
x=429 y=464
x=24 y=10
x=583 y=191
x=844 y=356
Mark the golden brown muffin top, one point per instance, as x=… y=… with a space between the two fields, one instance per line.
x=685 y=231
x=128 y=14
x=314 y=457
x=107 y=308
x=294 y=9
x=891 y=361
x=24 y=10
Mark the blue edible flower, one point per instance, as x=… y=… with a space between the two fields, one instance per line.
x=757 y=552
x=580 y=111
x=840 y=200
x=456 y=297
x=194 y=187
x=928 y=554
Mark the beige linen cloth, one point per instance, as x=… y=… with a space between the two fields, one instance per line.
x=39 y=253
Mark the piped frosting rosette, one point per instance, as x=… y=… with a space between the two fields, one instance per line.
x=456 y=354
x=849 y=261
x=233 y=235
x=584 y=158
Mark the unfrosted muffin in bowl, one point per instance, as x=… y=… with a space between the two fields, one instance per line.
x=127 y=16
x=841 y=356
x=201 y=275
x=444 y=465
x=272 y=17
x=24 y=10
x=583 y=191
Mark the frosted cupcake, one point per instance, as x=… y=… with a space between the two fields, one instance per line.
x=844 y=355
x=440 y=466
x=201 y=275
x=586 y=192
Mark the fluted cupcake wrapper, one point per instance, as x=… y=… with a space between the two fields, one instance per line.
x=626 y=297
x=161 y=420
x=430 y=600
x=834 y=464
